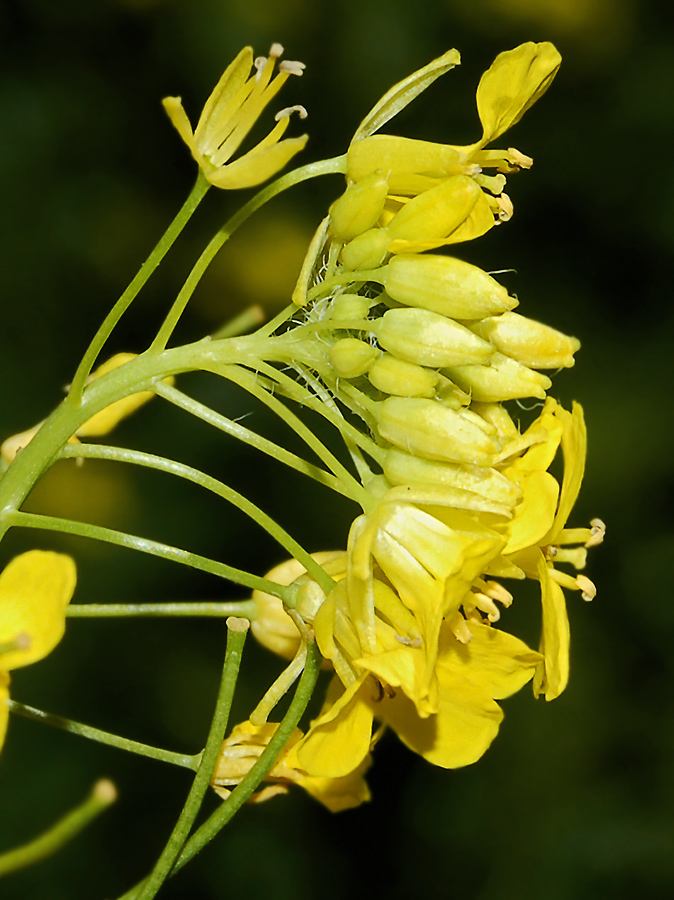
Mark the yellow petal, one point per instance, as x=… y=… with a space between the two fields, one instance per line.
x=513 y=83
x=35 y=589
x=224 y=100
x=179 y=120
x=339 y=740
x=552 y=675
x=535 y=514
x=574 y=449
x=256 y=166
x=336 y=794
x=4 y=709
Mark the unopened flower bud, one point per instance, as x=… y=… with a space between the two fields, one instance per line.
x=402 y=379
x=430 y=429
x=403 y=468
x=368 y=250
x=359 y=207
x=531 y=343
x=351 y=357
x=503 y=379
x=429 y=339
x=445 y=285
x=436 y=213
x=349 y=306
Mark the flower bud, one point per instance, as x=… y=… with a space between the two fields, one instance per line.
x=359 y=207
x=349 y=306
x=429 y=429
x=429 y=339
x=503 y=379
x=402 y=379
x=445 y=285
x=435 y=214
x=403 y=468
x=368 y=250
x=351 y=357
x=531 y=343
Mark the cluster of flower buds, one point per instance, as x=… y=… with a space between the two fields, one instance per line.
x=426 y=349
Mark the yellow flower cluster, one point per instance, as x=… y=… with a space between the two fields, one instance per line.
x=426 y=349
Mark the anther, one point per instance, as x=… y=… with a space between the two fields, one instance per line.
x=289 y=110
x=587 y=587
x=597 y=532
x=276 y=50
x=505 y=208
x=259 y=63
x=519 y=159
x=291 y=67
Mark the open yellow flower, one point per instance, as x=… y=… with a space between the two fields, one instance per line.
x=229 y=114
x=35 y=589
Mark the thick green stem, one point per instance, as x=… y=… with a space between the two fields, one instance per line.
x=164 y=245
x=103 y=737
x=236 y=636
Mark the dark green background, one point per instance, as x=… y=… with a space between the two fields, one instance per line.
x=575 y=798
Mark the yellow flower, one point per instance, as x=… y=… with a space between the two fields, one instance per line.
x=229 y=114
x=471 y=677
x=241 y=750
x=35 y=589
x=472 y=202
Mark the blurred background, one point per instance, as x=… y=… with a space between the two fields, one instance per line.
x=575 y=799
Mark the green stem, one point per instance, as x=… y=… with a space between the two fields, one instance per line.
x=103 y=794
x=248 y=382
x=163 y=246
x=236 y=636
x=313 y=170
x=245 y=609
x=149 y=460
x=103 y=737
x=263 y=766
x=164 y=551
x=241 y=433
x=265 y=763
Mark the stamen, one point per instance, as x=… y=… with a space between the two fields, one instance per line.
x=487 y=606
x=597 y=533
x=291 y=67
x=289 y=110
x=497 y=592
x=587 y=587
